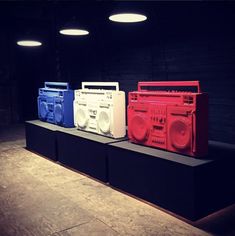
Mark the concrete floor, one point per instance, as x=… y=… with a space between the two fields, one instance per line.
x=40 y=197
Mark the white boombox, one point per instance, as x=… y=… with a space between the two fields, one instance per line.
x=100 y=111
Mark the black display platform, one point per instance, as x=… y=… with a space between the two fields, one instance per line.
x=85 y=152
x=189 y=187
x=41 y=138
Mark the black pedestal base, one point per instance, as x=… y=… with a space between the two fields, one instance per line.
x=189 y=187
x=41 y=138
x=82 y=151
x=85 y=152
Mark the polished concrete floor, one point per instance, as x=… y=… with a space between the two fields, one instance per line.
x=40 y=197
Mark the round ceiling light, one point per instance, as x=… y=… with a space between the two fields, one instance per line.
x=74 y=32
x=128 y=17
x=29 y=43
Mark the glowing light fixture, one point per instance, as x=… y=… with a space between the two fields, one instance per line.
x=128 y=17
x=74 y=32
x=29 y=43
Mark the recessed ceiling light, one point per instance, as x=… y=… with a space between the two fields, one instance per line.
x=128 y=17
x=29 y=43
x=74 y=32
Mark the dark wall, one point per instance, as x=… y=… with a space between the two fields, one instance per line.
x=179 y=41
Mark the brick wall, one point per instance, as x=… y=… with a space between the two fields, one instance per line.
x=187 y=41
x=203 y=49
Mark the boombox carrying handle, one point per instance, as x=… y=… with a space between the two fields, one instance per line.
x=101 y=84
x=170 y=84
x=56 y=84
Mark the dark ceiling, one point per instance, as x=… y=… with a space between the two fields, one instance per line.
x=41 y=18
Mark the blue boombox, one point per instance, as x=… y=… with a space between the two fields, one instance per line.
x=55 y=104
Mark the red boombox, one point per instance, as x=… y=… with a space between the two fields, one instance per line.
x=169 y=119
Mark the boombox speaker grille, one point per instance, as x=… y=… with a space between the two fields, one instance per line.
x=180 y=134
x=43 y=110
x=58 y=113
x=139 y=128
x=104 y=122
x=81 y=118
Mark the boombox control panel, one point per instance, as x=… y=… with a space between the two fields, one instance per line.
x=92 y=113
x=158 y=125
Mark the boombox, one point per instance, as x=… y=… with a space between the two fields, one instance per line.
x=55 y=104
x=100 y=111
x=174 y=120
